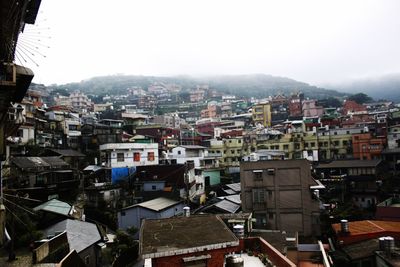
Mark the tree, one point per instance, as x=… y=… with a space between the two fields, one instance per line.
x=330 y=102
x=360 y=98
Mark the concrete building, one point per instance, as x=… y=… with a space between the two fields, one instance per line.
x=153 y=209
x=311 y=109
x=279 y=195
x=262 y=114
x=120 y=155
x=366 y=146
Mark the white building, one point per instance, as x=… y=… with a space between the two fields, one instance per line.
x=118 y=155
x=189 y=153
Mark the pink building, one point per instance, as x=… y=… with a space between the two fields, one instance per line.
x=310 y=109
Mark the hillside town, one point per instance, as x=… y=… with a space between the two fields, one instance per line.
x=283 y=177
x=168 y=174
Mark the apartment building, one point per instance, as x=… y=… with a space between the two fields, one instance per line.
x=262 y=114
x=279 y=195
x=121 y=155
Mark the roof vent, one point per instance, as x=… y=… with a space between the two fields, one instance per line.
x=186 y=211
x=344 y=226
x=238 y=230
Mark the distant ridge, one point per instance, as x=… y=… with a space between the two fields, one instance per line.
x=383 y=87
x=257 y=85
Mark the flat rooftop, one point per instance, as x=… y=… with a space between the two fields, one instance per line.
x=180 y=235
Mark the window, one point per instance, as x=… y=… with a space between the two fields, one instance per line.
x=336 y=143
x=258 y=174
x=153 y=187
x=270 y=215
x=120 y=157
x=239 y=141
x=344 y=142
x=305 y=144
x=87 y=260
x=150 y=156
x=136 y=156
x=285 y=147
x=123 y=213
x=258 y=196
x=179 y=152
x=233 y=151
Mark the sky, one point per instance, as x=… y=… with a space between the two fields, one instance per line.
x=314 y=41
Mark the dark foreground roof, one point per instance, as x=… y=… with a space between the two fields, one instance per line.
x=349 y=164
x=81 y=235
x=36 y=162
x=172 y=236
x=66 y=152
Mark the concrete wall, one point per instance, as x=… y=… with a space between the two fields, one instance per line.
x=280 y=195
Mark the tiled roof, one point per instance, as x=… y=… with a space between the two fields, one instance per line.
x=367 y=229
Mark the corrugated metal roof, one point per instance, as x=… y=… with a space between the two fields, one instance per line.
x=35 y=162
x=227 y=205
x=55 y=206
x=67 y=152
x=156 y=204
x=232 y=198
x=235 y=187
x=81 y=235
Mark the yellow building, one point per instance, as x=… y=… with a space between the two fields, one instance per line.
x=262 y=114
x=307 y=145
x=229 y=151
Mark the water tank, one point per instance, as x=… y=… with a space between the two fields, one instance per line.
x=238 y=230
x=389 y=245
x=344 y=226
x=234 y=261
x=186 y=211
x=382 y=242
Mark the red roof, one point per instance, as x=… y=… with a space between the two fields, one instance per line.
x=364 y=230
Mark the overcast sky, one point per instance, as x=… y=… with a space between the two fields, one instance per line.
x=312 y=41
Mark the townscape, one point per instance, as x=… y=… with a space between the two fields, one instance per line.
x=169 y=175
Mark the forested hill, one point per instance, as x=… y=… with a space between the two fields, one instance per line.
x=257 y=85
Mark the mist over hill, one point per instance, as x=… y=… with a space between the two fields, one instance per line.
x=257 y=85
x=384 y=87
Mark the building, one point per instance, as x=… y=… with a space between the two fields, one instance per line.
x=359 y=178
x=201 y=241
x=82 y=237
x=311 y=109
x=388 y=210
x=366 y=146
x=279 y=195
x=262 y=114
x=120 y=155
x=350 y=107
x=42 y=176
x=157 y=208
x=80 y=102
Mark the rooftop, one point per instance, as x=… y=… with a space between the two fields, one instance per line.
x=367 y=229
x=80 y=234
x=55 y=206
x=349 y=164
x=157 y=204
x=180 y=235
x=34 y=162
x=67 y=152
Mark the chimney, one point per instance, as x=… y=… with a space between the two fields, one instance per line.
x=186 y=211
x=344 y=226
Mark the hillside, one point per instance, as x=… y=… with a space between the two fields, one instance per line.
x=384 y=87
x=257 y=85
